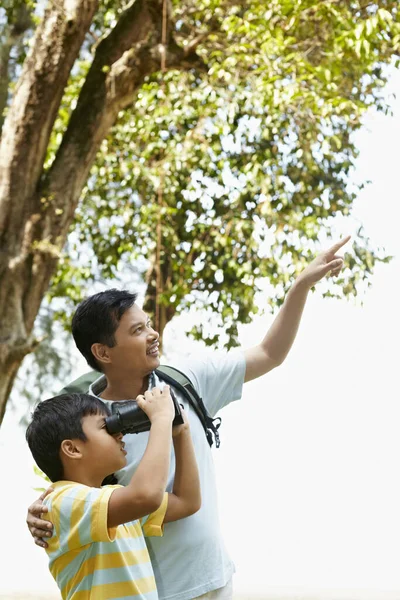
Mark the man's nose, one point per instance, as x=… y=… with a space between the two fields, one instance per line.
x=154 y=334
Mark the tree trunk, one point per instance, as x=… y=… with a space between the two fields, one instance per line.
x=25 y=266
x=7 y=377
x=37 y=208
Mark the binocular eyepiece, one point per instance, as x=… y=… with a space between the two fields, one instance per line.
x=128 y=417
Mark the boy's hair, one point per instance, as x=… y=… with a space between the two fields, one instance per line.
x=96 y=320
x=55 y=420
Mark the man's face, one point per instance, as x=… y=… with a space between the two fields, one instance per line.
x=137 y=346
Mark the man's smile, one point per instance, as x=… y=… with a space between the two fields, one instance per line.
x=154 y=349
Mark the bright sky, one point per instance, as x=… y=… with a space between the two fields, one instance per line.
x=309 y=460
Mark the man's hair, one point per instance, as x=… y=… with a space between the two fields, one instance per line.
x=56 y=420
x=96 y=320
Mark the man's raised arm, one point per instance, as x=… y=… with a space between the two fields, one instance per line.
x=280 y=337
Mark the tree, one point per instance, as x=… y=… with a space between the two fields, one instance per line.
x=205 y=132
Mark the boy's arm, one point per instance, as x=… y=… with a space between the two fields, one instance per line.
x=185 y=499
x=144 y=493
x=276 y=345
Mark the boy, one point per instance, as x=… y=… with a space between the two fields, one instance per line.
x=98 y=551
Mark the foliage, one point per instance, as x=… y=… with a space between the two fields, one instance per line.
x=16 y=23
x=44 y=371
x=241 y=164
x=43 y=476
x=252 y=160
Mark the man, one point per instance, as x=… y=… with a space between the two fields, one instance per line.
x=116 y=338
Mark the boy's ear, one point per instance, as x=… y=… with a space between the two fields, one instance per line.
x=71 y=449
x=101 y=352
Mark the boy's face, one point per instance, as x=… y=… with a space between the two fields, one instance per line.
x=137 y=346
x=103 y=452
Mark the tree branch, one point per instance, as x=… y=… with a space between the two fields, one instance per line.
x=32 y=113
x=122 y=61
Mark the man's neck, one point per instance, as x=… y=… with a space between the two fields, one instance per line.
x=124 y=388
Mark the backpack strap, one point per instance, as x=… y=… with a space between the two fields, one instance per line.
x=182 y=383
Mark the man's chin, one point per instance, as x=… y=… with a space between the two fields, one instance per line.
x=155 y=361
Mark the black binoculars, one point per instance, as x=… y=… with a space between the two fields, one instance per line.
x=128 y=417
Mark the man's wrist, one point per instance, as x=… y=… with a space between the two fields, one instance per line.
x=301 y=285
x=181 y=434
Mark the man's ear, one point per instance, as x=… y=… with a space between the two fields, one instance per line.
x=101 y=353
x=71 y=449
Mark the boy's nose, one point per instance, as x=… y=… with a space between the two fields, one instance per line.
x=118 y=436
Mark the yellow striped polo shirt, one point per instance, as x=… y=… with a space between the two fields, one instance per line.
x=90 y=561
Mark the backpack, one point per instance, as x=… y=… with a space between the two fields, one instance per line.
x=173 y=377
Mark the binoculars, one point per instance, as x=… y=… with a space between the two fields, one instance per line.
x=128 y=417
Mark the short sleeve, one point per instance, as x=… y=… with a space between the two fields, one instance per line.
x=152 y=525
x=218 y=377
x=101 y=531
x=80 y=514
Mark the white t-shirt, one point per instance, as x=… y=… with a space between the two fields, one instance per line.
x=191 y=559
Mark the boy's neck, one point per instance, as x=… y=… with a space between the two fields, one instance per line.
x=83 y=477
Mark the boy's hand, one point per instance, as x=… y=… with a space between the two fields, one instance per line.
x=39 y=528
x=178 y=430
x=157 y=404
x=325 y=263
